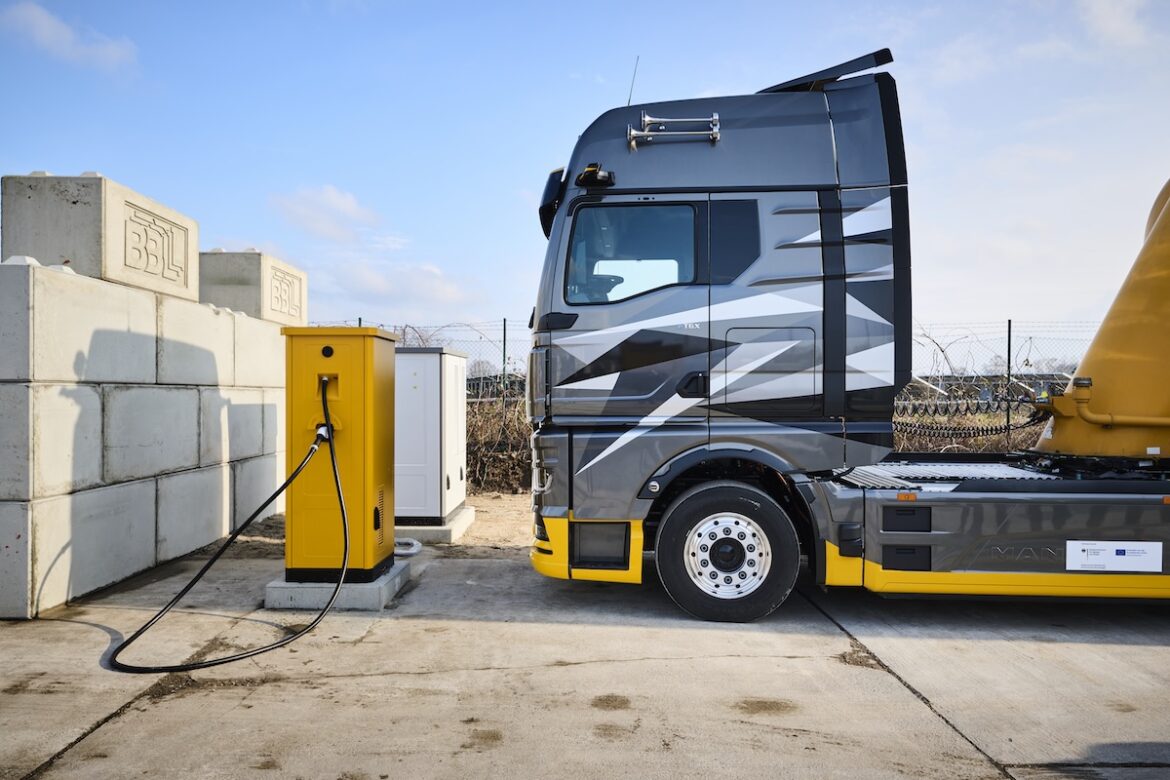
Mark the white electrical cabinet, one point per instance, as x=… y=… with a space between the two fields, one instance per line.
x=430 y=435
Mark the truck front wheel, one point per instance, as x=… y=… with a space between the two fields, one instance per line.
x=726 y=551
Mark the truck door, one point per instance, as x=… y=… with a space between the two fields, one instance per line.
x=632 y=343
x=767 y=308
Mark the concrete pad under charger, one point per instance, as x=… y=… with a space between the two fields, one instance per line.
x=369 y=596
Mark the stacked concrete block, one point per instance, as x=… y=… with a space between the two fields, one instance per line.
x=273 y=421
x=61 y=327
x=254 y=283
x=259 y=353
x=253 y=478
x=197 y=505
x=139 y=424
x=199 y=347
x=101 y=229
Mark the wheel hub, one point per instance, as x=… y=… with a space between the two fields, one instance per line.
x=728 y=555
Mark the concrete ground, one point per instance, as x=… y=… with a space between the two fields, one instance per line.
x=483 y=668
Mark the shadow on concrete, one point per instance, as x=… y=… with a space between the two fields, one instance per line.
x=979 y=618
x=80 y=555
x=1106 y=760
x=505 y=590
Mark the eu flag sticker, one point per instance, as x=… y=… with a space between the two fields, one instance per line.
x=1113 y=555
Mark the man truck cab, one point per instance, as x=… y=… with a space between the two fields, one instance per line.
x=722 y=325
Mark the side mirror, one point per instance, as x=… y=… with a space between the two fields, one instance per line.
x=554 y=191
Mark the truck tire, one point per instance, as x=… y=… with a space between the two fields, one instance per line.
x=726 y=551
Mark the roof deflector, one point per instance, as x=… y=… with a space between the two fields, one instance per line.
x=815 y=81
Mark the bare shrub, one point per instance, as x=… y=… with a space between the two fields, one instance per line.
x=499 y=454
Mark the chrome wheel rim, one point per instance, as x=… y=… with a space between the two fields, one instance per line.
x=727 y=555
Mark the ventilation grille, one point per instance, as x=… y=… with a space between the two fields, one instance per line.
x=381 y=514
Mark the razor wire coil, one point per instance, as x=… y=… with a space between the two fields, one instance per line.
x=951 y=431
x=949 y=408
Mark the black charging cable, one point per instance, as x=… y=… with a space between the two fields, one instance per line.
x=324 y=434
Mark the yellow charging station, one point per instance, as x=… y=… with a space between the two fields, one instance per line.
x=359 y=364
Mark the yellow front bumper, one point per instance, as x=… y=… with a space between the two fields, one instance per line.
x=551 y=558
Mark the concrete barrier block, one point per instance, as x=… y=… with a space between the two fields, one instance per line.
x=66 y=440
x=15 y=321
x=196 y=344
x=149 y=431
x=15 y=442
x=15 y=560
x=104 y=230
x=259 y=353
x=231 y=424
x=256 y=284
x=87 y=540
x=253 y=480
x=194 y=509
x=274 y=421
x=57 y=327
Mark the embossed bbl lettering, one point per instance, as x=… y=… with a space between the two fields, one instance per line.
x=286 y=293
x=155 y=246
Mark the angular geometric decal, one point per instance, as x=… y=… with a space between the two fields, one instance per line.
x=603 y=382
x=588 y=346
x=795 y=385
x=855 y=308
x=870 y=368
x=676 y=405
x=871 y=219
x=644 y=348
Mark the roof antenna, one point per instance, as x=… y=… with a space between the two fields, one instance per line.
x=632 y=78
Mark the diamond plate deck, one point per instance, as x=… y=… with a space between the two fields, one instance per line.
x=908 y=476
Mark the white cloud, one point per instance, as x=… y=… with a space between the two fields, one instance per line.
x=1050 y=48
x=1115 y=22
x=54 y=36
x=357 y=269
x=380 y=290
x=963 y=59
x=388 y=242
x=418 y=284
x=327 y=212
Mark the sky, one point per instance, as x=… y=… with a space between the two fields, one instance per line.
x=396 y=151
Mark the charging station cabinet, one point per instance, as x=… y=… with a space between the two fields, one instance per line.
x=430 y=471
x=359 y=363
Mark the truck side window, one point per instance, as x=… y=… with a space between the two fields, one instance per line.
x=617 y=252
x=735 y=238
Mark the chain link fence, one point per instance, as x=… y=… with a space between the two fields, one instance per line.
x=973 y=383
x=496 y=350
x=498 y=431
x=1006 y=358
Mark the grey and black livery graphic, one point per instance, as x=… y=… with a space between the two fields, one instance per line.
x=741 y=290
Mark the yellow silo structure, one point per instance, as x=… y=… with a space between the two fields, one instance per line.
x=1118 y=404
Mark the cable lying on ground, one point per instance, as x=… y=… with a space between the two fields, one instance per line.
x=324 y=434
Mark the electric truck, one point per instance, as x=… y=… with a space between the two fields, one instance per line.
x=722 y=326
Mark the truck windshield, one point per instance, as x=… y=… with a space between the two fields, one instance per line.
x=618 y=252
